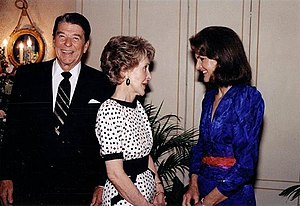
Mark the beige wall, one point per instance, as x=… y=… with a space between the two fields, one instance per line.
x=41 y=12
x=270 y=32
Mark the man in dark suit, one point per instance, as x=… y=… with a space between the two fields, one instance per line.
x=46 y=158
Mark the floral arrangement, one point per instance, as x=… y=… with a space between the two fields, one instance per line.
x=6 y=74
x=6 y=81
x=3 y=61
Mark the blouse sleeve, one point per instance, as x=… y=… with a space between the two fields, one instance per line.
x=196 y=156
x=108 y=131
x=249 y=109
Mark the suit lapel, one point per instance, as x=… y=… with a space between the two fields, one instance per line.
x=47 y=78
x=81 y=91
x=46 y=91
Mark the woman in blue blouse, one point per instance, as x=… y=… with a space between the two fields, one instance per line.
x=223 y=162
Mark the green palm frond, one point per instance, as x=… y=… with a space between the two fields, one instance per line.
x=170 y=167
x=179 y=143
x=291 y=192
x=171 y=144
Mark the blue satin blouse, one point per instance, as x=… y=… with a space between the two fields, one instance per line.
x=232 y=132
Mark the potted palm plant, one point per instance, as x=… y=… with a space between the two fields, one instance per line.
x=171 y=151
x=291 y=192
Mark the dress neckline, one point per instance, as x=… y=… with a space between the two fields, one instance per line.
x=216 y=102
x=126 y=104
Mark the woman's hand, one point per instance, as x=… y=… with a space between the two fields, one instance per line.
x=213 y=198
x=193 y=192
x=191 y=195
x=159 y=198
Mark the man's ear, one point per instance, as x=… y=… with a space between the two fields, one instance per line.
x=53 y=42
x=86 y=46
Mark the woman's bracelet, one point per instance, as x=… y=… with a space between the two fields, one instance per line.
x=202 y=202
x=158 y=183
x=99 y=186
x=158 y=193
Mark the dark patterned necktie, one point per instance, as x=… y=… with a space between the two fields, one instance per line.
x=62 y=101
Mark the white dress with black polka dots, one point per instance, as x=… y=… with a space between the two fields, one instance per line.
x=123 y=131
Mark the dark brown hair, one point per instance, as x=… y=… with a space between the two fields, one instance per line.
x=74 y=18
x=223 y=45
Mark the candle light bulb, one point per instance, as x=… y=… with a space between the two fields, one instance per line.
x=29 y=42
x=4 y=43
x=21 y=45
x=21 y=53
x=29 y=50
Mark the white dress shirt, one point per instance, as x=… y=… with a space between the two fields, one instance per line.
x=57 y=77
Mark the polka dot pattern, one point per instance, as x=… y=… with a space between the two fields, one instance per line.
x=125 y=129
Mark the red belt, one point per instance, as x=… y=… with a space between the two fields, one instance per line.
x=219 y=161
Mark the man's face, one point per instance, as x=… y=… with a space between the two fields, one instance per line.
x=69 y=44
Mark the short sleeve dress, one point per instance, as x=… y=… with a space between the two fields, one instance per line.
x=123 y=131
x=233 y=132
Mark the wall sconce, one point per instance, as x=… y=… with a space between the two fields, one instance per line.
x=26 y=45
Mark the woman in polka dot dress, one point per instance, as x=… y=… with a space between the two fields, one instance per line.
x=123 y=129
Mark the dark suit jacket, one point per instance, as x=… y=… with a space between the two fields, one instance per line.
x=44 y=166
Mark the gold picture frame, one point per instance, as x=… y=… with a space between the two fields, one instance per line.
x=25 y=46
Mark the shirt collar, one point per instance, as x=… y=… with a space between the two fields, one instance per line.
x=57 y=70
